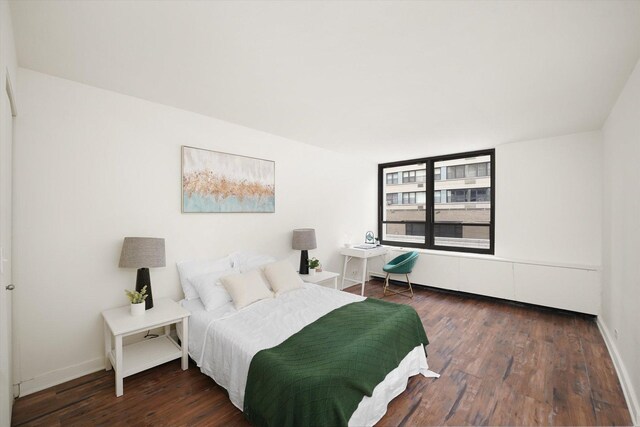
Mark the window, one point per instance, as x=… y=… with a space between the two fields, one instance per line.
x=455 y=210
x=448 y=230
x=469 y=196
x=409 y=176
x=415 y=229
x=404 y=215
x=456 y=196
x=408 y=198
x=455 y=172
x=479 y=194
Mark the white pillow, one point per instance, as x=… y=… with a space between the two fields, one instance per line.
x=210 y=289
x=282 y=276
x=190 y=269
x=246 y=288
x=247 y=261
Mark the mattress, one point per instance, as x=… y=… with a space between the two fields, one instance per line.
x=223 y=341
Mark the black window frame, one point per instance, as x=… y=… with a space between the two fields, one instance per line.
x=430 y=202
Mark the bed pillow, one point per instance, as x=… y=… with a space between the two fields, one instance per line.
x=247 y=261
x=246 y=288
x=282 y=276
x=190 y=269
x=210 y=289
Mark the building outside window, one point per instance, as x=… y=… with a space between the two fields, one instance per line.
x=408 y=176
x=392 y=198
x=408 y=198
x=455 y=172
x=392 y=178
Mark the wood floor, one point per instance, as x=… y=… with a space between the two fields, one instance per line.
x=500 y=364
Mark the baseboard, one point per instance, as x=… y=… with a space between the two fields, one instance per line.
x=625 y=380
x=60 y=376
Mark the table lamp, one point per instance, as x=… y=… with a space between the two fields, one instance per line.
x=143 y=253
x=303 y=240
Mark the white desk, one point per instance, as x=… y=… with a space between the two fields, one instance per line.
x=364 y=254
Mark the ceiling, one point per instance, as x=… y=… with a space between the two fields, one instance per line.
x=385 y=80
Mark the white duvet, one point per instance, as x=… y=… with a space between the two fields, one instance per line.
x=223 y=341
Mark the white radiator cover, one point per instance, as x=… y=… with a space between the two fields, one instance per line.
x=564 y=286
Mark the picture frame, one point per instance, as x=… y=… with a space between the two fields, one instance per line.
x=218 y=182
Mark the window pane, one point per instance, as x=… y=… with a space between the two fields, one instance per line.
x=406 y=203
x=482 y=169
x=436 y=196
x=437 y=174
x=406 y=232
x=462 y=217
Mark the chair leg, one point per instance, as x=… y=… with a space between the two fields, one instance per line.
x=394 y=292
x=386 y=285
x=410 y=287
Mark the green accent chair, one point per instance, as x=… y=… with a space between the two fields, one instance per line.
x=400 y=265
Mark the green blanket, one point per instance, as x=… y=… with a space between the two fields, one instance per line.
x=318 y=376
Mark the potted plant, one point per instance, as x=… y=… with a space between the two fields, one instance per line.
x=137 y=300
x=313 y=264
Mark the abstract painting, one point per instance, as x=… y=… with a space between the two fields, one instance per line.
x=222 y=182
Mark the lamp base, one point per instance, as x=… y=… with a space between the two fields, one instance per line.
x=304 y=262
x=143 y=279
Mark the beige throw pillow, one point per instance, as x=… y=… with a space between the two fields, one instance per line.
x=282 y=276
x=246 y=288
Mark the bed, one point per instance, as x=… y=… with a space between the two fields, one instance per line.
x=227 y=343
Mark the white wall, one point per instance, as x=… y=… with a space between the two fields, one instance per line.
x=93 y=166
x=621 y=252
x=549 y=198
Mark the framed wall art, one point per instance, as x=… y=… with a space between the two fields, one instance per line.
x=221 y=182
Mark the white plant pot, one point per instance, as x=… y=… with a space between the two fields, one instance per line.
x=312 y=271
x=137 y=309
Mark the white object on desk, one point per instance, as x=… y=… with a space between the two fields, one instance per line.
x=321 y=276
x=137 y=357
x=364 y=254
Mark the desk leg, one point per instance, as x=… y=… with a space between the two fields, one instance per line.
x=364 y=274
x=335 y=283
x=185 y=344
x=107 y=347
x=118 y=367
x=344 y=270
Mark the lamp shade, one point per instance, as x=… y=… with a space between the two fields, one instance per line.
x=142 y=252
x=304 y=239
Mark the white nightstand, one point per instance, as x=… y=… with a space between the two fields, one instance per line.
x=133 y=358
x=321 y=276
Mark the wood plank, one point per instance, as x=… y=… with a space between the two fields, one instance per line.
x=501 y=364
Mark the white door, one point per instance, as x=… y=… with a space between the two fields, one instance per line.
x=6 y=378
